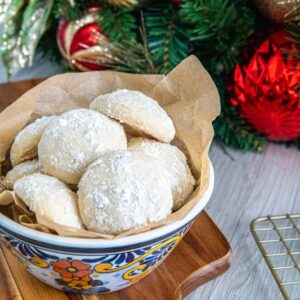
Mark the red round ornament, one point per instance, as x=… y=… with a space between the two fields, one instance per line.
x=76 y=40
x=177 y=2
x=266 y=90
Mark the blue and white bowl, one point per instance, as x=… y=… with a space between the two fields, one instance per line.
x=90 y=266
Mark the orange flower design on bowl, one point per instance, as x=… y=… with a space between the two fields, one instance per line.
x=71 y=279
x=74 y=273
x=96 y=273
x=71 y=269
x=79 y=285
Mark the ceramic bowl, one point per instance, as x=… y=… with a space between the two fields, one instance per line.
x=90 y=266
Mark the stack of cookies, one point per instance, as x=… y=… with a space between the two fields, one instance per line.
x=108 y=169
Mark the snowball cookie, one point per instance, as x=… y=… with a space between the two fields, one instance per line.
x=75 y=139
x=50 y=197
x=25 y=144
x=24 y=168
x=123 y=190
x=174 y=160
x=138 y=111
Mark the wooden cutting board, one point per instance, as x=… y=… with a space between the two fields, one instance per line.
x=203 y=254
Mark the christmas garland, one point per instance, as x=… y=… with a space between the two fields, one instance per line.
x=251 y=51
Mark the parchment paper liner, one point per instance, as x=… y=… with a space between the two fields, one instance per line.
x=187 y=93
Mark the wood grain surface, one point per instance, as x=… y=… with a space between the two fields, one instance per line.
x=250 y=186
x=203 y=254
x=11 y=91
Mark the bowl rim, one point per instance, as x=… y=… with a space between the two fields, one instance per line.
x=20 y=231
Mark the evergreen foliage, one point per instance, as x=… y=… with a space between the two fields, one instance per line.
x=294 y=30
x=64 y=9
x=234 y=131
x=167 y=39
x=219 y=29
x=118 y=23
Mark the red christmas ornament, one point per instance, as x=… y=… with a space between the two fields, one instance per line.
x=266 y=90
x=76 y=40
x=177 y=2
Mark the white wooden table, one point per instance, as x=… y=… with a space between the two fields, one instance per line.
x=247 y=187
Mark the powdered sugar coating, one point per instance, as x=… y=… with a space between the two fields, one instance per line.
x=25 y=144
x=123 y=190
x=75 y=139
x=173 y=160
x=137 y=110
x=20 y=170
x=49 y=197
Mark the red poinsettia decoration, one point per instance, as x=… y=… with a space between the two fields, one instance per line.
x=266 y=90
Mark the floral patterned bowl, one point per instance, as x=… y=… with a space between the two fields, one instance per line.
x=90 y=266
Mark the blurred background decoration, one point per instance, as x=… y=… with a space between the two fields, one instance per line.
x=251 y=49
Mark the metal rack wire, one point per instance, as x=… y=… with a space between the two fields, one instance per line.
x=278 y=239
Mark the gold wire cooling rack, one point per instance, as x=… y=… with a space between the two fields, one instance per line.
x=278 y=239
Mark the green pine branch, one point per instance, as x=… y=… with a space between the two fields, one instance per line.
x=167 y=38
x=234 y=132
x=64 y=10
x=118 y=23
x=219 y=30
